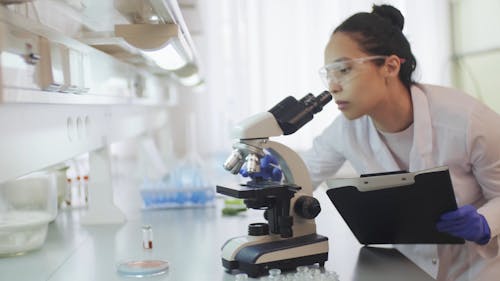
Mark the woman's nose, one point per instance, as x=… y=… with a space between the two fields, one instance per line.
x=335 y=88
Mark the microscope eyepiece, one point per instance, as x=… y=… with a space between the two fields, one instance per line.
x=308 y=99
x=316 y=103
x=322 y=100
x=292 y=114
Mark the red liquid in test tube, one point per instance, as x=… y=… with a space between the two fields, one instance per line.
x=147 y=237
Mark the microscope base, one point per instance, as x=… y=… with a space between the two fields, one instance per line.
x=255 y=260
x=256 y=270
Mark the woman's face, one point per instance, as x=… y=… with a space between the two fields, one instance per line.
x=358 y=86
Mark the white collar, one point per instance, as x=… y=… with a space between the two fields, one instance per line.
x=421 y=152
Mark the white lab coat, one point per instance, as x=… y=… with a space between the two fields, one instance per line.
x=450 y=128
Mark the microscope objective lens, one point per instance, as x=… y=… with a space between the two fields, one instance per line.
x=234 y=162
x=253 y=163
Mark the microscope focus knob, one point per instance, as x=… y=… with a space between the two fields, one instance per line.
x=258 y=229
x=307 y=207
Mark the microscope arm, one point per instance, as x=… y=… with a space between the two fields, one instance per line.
x=293 y=167
x=257 y=126
x=295 y=173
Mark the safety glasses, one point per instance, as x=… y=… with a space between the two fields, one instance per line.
x=341 y=71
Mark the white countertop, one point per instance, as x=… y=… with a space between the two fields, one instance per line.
x=189 y=239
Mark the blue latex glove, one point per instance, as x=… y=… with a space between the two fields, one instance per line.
x=268 y=169
x=467 y=223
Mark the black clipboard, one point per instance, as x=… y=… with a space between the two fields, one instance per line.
x=397 y=207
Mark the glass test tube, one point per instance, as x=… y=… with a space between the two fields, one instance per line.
x=147 y=237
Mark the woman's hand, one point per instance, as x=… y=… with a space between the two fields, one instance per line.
x=269 y=169
x=467 y=223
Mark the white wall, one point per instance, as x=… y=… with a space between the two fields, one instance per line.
x=477 y=49
x=257 y=52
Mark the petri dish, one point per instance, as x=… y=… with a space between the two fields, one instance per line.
x=142 y=268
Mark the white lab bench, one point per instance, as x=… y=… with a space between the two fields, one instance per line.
x=190 y=240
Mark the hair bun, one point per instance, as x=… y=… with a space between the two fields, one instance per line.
x=389 y=13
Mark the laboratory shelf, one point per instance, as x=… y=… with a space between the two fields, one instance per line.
x=17 y=95
x=36 y=136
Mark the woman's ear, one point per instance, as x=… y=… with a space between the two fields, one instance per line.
x=392 y=66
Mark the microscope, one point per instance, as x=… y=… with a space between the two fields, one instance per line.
x=288 y=239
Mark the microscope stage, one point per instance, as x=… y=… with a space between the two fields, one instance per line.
x=252 y=190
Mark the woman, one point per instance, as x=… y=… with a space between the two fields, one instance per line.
x=391 y=123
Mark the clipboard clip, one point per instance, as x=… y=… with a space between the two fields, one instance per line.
x=369 y=182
